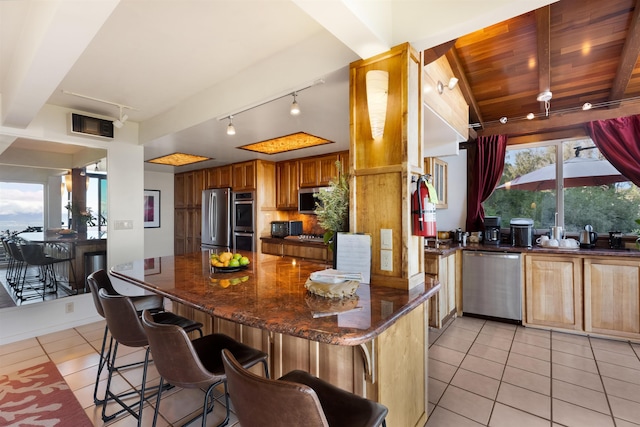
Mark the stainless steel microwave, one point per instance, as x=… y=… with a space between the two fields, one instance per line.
x=307 y=201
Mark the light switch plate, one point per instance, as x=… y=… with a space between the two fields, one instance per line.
x=386 y=260
x=386 y=238
x=122 y=224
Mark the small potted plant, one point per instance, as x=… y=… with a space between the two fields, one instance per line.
x=80 y=219
x=333 y=207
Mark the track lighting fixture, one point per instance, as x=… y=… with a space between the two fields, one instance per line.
x=453 y=82
x=295 y=108
x=119 y=122
x=231 y=130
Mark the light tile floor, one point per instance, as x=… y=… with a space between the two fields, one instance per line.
x=484 y=373
x=481 y=373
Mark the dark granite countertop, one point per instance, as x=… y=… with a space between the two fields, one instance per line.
x=270 y=295
x=597 y=251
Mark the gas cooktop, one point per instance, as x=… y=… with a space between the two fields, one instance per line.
x=315 y=238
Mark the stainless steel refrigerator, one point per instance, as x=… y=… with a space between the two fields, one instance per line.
x=216 y=219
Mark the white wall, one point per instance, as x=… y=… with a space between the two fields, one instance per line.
x=456 y=213
x=125 y=159
x=159 y=241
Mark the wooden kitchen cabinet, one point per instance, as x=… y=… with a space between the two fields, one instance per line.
x=219 y=177
x=307 y=251
x=187 y=189
x=553 y=291
x=272 y=248
x=612 y=297
x=444 y=304
x=187 y=230
x=244 y=176
x=318 y=171
x=287 y=185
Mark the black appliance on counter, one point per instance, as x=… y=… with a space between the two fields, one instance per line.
x=283 y=229
x=491 y=230
x=522 y=232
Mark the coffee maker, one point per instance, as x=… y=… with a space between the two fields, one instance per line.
x=491 y=230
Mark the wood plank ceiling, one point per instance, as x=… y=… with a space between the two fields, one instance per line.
x=580 y=50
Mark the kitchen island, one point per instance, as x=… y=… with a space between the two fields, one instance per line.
x=374 y=344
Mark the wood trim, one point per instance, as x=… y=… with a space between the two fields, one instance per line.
x=475 y=115
x=629 y=57
x=543 y=33
x=559 y=121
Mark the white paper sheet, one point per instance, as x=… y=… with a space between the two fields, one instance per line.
x=353 y=254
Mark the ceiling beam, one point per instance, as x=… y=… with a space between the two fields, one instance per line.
x=629 y=57
x=475 y=116
x=543 y=31
x=559 y=121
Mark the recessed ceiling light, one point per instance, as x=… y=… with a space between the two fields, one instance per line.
x=503 y=120
x=530 y=116
x=586 y=106
x=178 y=159
x=291 y=142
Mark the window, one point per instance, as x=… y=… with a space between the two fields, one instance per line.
x=591 y=191
x=21 y=206
x=96 y=201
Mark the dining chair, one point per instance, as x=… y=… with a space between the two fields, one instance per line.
x=195 y=364
x=295 y=399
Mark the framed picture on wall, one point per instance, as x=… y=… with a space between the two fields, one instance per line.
x=151 y=208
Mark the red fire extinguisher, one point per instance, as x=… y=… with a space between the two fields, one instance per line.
x=423 y=210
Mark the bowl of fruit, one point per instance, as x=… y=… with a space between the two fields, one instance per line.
x=228 y=262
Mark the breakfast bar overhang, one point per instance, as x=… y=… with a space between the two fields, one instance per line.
x=373 y=344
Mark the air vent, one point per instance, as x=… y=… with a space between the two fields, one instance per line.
x=91 y=126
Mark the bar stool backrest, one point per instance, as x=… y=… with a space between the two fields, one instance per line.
x=174 y=356
x=270 y=403
x=122 y=320
x=97 y=280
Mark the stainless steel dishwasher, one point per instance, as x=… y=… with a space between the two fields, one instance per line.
x=492 y=285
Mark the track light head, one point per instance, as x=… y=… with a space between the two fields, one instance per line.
x=453 y=82
x=231 y=130
x=295 y=108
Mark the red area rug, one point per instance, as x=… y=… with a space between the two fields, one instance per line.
x=39 y=396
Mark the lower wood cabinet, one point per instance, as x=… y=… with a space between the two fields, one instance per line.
x=612 y=297
x=311 y=252
x=444 y=303
x=553 y=291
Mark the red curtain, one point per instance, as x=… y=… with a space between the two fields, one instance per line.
x=619 y=142
x=485 y=171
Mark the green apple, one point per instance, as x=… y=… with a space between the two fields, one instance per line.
x=234 y=263
x=244 y=260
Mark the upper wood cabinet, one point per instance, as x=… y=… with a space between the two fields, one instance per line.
x=553 y=289
x=318 y=171
x=244 y=176
x=438 y=169
x=218 y=177
x=188 y=188
x=287 y=185
x=179 y=193
x=612 y=297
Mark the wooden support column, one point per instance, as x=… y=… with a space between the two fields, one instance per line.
x=382 y=168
